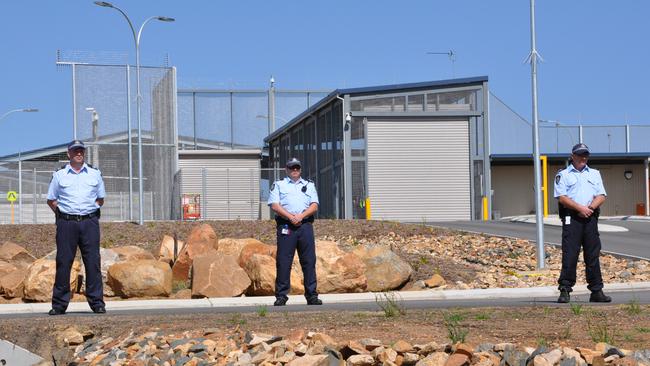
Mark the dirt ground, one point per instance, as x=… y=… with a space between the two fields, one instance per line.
x=626 y=326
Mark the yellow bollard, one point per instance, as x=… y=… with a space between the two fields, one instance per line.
x=544 y=185
x=485 y=209
x=368 y=215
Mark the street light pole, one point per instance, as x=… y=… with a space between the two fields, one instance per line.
x=20 y=164
x=541 y=257
x=136 y=38
x=18 y=110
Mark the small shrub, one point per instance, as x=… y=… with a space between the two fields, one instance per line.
x=180 y=285
x=424 y=260
x=599 y=330
x=642 y=329
x=237 y=319
x=566 y=333
x=390 y=304
x=633 y=307
x=542 y=342
x=482 y=316
x=262 y=310
x=455 y=332
x=576 y=308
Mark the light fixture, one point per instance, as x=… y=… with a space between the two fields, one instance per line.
x=627 y=174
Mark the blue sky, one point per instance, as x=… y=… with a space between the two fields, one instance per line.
x=595 y=52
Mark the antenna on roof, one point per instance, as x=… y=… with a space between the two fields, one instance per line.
x=452 y=59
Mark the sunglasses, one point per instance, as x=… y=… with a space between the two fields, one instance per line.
x=295 y=167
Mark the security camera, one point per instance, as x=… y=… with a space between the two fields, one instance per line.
x=348 y=117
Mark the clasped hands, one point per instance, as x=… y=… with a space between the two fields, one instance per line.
x=585 y=211
x=296 y=219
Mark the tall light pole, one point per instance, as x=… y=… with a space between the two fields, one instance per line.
x=541 y=257
x=18 y=110
x=136 y=39
x=95 y=125
x=20 y=164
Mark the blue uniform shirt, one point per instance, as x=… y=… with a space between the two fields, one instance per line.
x=580 y=186
x=74 y=192
x=290 y=196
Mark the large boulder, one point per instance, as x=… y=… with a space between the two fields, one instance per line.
x=338 y=271
x=217 y=275
x=139 y=278
x=132 y=253
x=234 y=247
x=255 y=247
x=39 y=280
x=385 y=270
x=261 y=271
x=6 y=268
x=166 y=249
x=15 y=254
x=201 y=240
x=13 y=284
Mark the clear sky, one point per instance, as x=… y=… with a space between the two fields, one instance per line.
x=596 y=52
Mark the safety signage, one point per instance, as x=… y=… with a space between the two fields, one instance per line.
x=12 y=196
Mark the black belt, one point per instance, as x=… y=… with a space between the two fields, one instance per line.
x=282 y=221
x=68 y=217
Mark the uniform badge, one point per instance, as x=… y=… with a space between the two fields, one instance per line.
x=557 y=178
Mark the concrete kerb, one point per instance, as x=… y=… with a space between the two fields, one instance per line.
x=167 y=304
x=555 y=221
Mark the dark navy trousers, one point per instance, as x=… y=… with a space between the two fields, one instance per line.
x=301 y=238
x=71 y=234
x=580 y=232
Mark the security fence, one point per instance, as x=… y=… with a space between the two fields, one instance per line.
x=509 y=131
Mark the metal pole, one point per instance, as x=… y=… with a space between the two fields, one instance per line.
x=20 y=189
x=627 y=138
x=138 y=101
x=33 y=200
x=129 y=145
x=272 y=106
x=536 y=158
x=74 y=101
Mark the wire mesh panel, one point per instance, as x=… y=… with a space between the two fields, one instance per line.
x=111 y=93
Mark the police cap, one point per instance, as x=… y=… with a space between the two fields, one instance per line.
x=580 y=149
x=76 y=144
x=293 y=162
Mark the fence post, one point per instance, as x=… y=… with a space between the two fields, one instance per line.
x=204 y=191
x=33 y=201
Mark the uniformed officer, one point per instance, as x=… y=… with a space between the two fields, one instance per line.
x=294 y=201
x=580 y=194
x=75 y=195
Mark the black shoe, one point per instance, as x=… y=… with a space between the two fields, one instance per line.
x=599 y=296
x=565 y=297
x=314 y=301
x=280 y=301
x=99 y=310
x=56 y=312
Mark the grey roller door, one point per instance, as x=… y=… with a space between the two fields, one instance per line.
x=232 y=188
x=418 y=170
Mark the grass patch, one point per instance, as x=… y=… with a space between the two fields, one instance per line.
x=576 y=308
x=262 y=310
x=180 y=285
x=391 y=304
x=633 y=307
x=482 y=316
x=455 y=331
x=642 y=329
x=599 y=330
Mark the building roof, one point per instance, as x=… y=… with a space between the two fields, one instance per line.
x=375 y=90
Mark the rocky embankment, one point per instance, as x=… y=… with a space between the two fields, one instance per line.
x=203 y=265
x=300 y=348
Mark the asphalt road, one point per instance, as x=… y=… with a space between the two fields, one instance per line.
x=633 y=243
x=619 y=297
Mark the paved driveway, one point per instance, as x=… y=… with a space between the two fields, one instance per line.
x=634 y=243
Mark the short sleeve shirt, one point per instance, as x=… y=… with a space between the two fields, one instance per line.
x=74 y=192
x=295 y=197
x=580 y=186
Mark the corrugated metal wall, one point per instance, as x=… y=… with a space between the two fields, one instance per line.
x=418 y=170
x=513 y=188
x=229 y=184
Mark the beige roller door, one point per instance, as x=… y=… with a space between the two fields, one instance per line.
x=418 y=170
